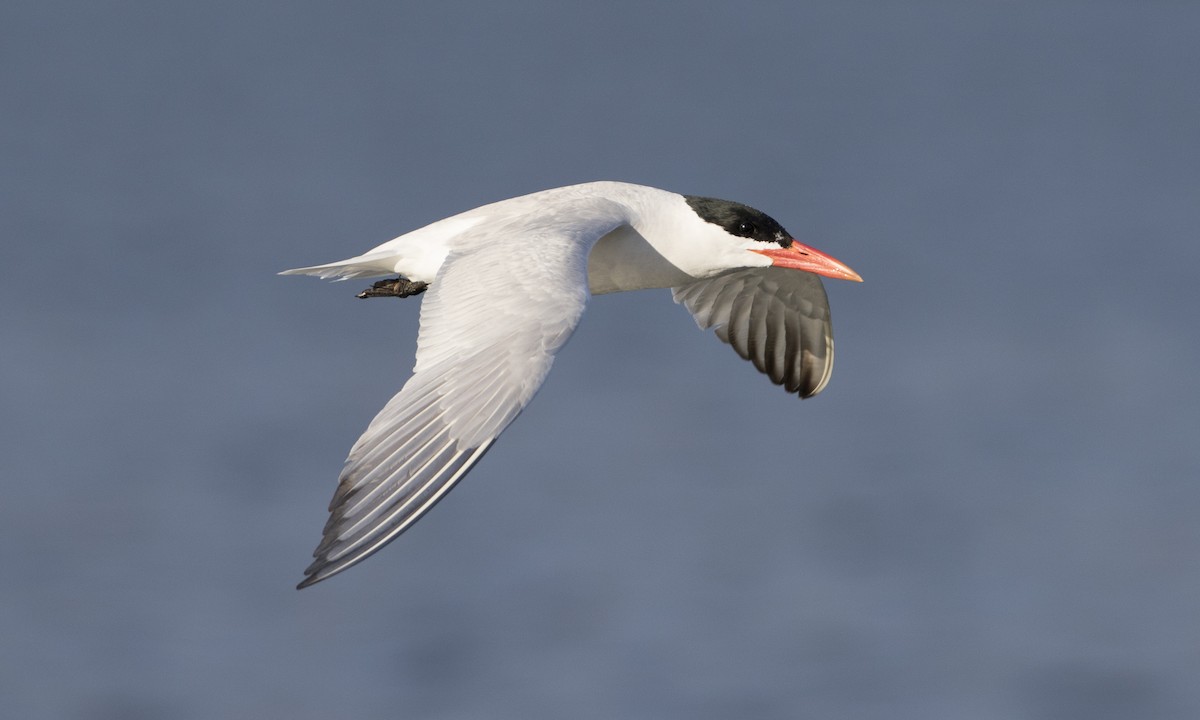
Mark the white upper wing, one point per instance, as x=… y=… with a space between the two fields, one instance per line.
x=505 y=300
x=774 y=317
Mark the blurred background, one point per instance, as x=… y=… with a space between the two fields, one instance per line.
x=990 y=513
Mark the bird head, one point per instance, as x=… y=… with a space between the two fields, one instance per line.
x=740 y=229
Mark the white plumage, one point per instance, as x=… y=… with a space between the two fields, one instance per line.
x=507 y=284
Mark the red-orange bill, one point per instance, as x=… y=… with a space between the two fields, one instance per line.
x=798 y=256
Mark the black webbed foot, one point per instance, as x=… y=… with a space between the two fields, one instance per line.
x=400 y=287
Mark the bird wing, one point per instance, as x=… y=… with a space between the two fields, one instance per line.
x=501 y=306
x=774 y=317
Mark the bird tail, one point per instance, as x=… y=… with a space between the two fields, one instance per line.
x=356 y=267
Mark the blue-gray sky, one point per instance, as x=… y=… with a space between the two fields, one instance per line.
x=990 y=513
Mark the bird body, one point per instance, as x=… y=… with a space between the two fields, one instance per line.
x=507 y=285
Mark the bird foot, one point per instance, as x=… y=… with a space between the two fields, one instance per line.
x=399 y=287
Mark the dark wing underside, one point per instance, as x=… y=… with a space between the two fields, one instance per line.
x=776 y=318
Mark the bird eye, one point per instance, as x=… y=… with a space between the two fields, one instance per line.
x=746 y=228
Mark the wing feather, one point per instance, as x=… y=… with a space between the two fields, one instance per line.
x=499 y=309
x=774 y=317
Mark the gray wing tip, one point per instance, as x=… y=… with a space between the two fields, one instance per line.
x=319 y=571
x=329 y=561
x=322 y=569
x=335 y=554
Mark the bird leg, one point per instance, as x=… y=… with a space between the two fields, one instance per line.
x=401 y=287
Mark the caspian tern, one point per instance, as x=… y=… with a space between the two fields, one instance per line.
x=507 y=284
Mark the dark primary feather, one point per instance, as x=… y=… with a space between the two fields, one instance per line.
x=390 y=483
x=774 y=317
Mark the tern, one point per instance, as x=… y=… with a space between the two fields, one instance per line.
x=505 y=285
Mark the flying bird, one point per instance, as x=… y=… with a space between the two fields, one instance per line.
x=506 y=285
